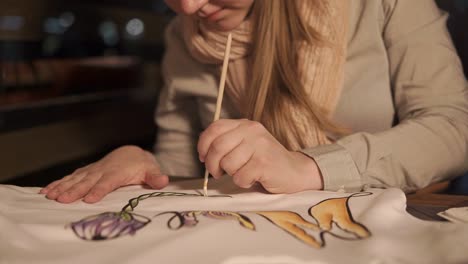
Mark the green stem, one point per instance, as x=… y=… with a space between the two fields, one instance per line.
x=133 y=203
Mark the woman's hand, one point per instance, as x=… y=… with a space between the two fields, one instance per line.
x=123 y=166
x=249 y=153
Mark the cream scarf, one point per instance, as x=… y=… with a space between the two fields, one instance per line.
x=321 y=67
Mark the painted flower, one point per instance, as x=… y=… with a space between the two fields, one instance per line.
x=190 y=218
x=109 y=225
x=243 y=220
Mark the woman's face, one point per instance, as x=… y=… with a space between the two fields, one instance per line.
x=222 y=15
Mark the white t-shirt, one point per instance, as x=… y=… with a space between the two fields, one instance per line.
x=178 y=225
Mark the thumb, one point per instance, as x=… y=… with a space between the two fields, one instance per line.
x=156 y=180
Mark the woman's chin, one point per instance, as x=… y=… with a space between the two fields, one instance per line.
x=221 y=25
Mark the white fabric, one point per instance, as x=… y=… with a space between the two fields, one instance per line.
x=456 y=215
x=36 y=230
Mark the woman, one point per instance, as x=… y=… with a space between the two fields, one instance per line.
x=334 y=95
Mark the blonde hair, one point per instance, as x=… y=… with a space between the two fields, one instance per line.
x=275 y=81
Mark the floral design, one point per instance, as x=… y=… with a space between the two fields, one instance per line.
x=190 y=218
x=109 y=225
x=329 y=216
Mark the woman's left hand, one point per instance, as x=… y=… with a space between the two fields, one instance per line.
x=245 y=150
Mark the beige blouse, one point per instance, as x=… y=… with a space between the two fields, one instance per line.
x=404 y=97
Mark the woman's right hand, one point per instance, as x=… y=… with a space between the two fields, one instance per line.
x=124 y=166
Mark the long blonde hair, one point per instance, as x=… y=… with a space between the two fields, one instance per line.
x=278 y=30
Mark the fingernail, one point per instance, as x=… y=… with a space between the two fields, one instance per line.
x=201 y=14
x=90 y=198
x=201 y=158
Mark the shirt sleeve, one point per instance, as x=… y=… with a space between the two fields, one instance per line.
x=177 y=116
x=430 y=95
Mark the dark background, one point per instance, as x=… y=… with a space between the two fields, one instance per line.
x=78 y=78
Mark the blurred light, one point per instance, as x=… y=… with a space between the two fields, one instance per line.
x=11 y=23
x=108 y=32
x=135 y=27
x=52 y=26
x=67 y=19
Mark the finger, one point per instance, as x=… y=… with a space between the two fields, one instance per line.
x=63 y=186
x=156 y=181
x=220 y=147
x=154 y=178
x=52 y=185
x=212 y=132
x=237 y=158
x=79 y=189
x=106 y=184
x=246 y=176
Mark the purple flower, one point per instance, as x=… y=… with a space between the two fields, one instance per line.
x=109 y=225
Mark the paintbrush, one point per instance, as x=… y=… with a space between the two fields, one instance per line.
x=219 y=101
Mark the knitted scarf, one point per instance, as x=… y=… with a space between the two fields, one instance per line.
x=321 y=67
